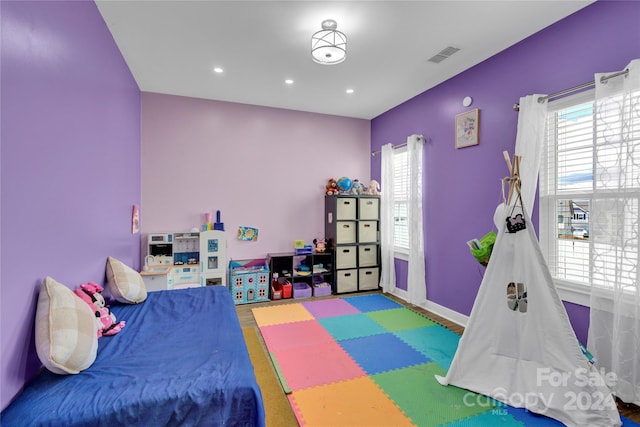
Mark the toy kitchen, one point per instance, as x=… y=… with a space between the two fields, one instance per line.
x=184 y=260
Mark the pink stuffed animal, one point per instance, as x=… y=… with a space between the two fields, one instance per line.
x=107 y=325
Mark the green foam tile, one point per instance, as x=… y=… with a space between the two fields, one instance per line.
x=416 y=391
x=283 y=381
x=400 y=319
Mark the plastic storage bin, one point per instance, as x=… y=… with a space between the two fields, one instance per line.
x=301 y=290
x=321 y=289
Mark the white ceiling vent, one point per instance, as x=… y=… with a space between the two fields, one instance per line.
x=443 y=54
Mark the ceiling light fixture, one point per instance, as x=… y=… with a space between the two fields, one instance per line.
x=218 y=70
x=289 y=81
x=349 y=91
x=329 y=46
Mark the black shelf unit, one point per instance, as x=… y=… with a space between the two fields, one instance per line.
x=320 y=265
x=352 y=223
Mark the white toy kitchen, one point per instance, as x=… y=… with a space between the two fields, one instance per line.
x=174 y=261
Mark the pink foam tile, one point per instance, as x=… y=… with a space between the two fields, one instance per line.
x=288 y=336
x=316 y=364
x=329 y=308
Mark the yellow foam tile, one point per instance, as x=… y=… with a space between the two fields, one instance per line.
x=278 y=314
x=352 y=403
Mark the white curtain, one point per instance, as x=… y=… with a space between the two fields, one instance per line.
x=388 y=273
x=529 y=142
x=614 y=330
x=416 y=284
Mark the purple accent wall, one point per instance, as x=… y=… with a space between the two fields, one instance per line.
x=463 y=186
x=70 y=139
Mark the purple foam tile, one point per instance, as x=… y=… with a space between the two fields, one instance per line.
x=329 y=308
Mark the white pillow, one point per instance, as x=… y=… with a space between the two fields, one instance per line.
x=66 y=330
x=125 y=284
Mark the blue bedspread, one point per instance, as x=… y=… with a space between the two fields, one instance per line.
x=180 y=360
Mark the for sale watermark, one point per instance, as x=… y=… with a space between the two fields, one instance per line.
x=583 y=392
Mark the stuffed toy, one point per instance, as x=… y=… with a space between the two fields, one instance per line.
x=374 y=188
x=321 y=245
x=91 y=294
x=357 y=188
x=331 y=189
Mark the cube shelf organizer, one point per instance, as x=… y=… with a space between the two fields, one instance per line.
x=249 y=280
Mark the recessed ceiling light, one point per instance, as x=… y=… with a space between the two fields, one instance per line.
x=350 y=91
x=218 y=70
x=289 y=81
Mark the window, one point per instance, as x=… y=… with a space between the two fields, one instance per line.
x=573 y=171
x=401 y=200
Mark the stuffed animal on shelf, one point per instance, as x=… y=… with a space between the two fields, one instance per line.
x=374 y=188
x=91 y=294
x=331 y=189
x=321 y=245
x=357 y=188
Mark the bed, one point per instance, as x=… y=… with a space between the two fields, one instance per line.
x=180 y=360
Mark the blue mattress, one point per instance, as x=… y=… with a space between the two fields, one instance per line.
x=180 y=360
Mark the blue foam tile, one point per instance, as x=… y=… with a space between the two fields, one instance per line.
x=491 y=418
x=381 y=353
x=436 y=342
x=626 y=422
x=529 y=418
x=375 y=302
x=351 y=326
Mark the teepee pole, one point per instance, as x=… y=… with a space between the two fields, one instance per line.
x=514 y=174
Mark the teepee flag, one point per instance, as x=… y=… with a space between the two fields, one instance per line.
x=519 y=347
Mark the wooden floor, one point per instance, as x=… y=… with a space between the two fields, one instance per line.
x=246 y=319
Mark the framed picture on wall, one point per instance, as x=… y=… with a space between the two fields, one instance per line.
x=467 y=128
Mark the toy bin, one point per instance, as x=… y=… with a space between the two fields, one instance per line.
x=249 y=281
x=321 y=289
x=301 y=290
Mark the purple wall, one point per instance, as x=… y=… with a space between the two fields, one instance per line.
x=463 y=186
x=70 y=136
x=261 y=167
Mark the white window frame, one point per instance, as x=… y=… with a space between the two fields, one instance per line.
x=571 y=291
x=400 y=251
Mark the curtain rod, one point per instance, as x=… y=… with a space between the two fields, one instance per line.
x=603 y=79
x=402 y=144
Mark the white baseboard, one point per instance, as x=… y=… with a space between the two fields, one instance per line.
x=436 y=308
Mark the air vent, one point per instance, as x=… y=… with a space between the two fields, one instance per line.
x=443 y=54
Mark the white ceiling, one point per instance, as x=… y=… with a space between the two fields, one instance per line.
x=172 y=46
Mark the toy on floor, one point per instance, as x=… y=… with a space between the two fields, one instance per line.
x=91 y=294
x=331 y=189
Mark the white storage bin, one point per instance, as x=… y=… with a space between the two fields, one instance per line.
x=346 y=257
x=345 y=208
x=368 y=255
x=346 y=280
x=368 y=278
x=367 y=231
x=345 y=232
x=369 y=208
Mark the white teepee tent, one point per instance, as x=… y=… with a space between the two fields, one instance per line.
x=519 y=347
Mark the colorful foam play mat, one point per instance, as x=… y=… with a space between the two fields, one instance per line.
x=366 y=360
